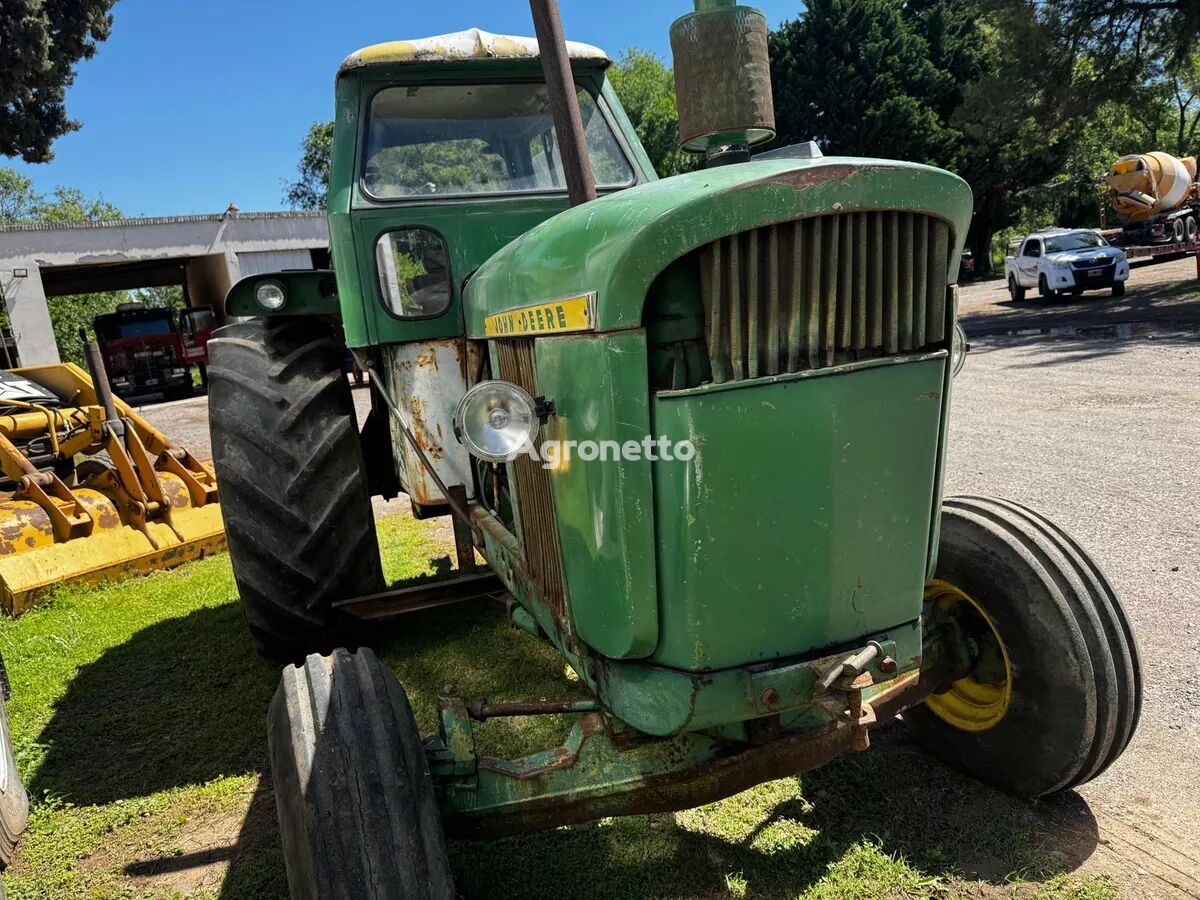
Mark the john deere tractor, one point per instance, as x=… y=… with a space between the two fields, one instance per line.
x=747 y=559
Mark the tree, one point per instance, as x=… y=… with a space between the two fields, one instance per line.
x=646 y=88
x=41 y=44
x=316 y=150
x=21 y=204
x=860 y=78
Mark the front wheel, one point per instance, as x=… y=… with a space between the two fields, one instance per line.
x=1118 y=289
x=357 y=810
x=1055 y=693
x=1044 y=290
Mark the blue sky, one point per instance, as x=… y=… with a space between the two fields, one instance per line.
x=190 y=106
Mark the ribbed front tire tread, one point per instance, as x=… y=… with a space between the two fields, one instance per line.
x=356 y=804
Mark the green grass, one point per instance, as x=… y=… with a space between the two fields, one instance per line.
x=139 y=722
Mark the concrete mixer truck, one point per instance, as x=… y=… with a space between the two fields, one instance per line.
x=1155 y=198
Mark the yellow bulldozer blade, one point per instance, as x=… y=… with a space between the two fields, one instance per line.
x=140 y=503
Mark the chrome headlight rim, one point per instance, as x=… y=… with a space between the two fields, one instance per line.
x=530 y=420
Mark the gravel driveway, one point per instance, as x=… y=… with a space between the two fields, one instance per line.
x=1091 y=416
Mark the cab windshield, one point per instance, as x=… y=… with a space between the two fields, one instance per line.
x=434 y=140
x=1083 y=240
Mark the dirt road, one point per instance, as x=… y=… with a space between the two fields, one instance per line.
x=1097 y=426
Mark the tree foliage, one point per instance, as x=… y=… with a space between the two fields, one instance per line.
x=41 y=41
x=309 y=189
x=646 y=88
x=21 y=204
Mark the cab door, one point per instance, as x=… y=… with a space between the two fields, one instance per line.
x=1027 y=262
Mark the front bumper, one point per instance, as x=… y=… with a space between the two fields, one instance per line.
x=1089 y=278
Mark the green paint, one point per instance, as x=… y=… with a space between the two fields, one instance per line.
x=617 y=245
x=809 y=499
x=605 y=507
x=308 y=294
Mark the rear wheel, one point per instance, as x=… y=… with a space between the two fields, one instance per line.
x=1044 y=290
x=1055 y=694
x=1178 y=230
x=1015 y=291
x=356 y=805
x=1191 y=228
x=293 y=485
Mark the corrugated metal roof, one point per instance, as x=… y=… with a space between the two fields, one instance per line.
x=158 y=220
x=462 y=45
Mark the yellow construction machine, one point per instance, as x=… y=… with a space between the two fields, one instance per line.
x=90 y=491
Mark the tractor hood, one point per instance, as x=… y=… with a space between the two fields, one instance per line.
x=611 y=249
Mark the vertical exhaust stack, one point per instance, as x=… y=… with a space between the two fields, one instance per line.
x=722 y=81
x=564 y=103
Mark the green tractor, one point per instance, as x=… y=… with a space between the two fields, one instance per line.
x=695 y=425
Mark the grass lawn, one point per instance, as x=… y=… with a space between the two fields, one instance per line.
x=139 y=721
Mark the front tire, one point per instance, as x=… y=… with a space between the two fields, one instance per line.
x=293 y=484
x=1057 y=690
x=356 y=805
x=1044 y=290
x=1118 y=289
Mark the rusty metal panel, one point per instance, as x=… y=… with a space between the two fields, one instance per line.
x=536 y=519
x=429 y=378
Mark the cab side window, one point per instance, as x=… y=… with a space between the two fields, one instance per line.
x=1032 y=248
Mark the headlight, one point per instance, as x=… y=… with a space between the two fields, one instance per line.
x=270 y=295
x=496 y=421
x=958 y=350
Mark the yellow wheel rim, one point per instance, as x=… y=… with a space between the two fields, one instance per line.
x=971 y=704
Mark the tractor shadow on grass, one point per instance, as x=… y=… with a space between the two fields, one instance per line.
x=853 y=814
x=184 y=702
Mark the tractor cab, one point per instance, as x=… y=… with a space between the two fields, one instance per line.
x=445 y=150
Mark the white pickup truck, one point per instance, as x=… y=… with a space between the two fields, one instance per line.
x=1065 y=261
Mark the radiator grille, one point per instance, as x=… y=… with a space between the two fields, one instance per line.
x=535 y=502
x=818 y=291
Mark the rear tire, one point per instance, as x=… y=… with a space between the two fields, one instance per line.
x=1015 y=291
x=356 y=805
x=1074 y=682
x=1179 y=230
x=293 y=484
x=1191 y=228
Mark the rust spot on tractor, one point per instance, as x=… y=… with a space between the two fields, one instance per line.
x=427 y=359
x=811 y=176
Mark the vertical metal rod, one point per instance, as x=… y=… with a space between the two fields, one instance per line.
x=104 y=392
x=564 y=104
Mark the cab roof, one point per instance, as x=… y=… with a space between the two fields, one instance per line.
x=462 y=45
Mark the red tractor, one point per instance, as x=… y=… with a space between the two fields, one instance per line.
x=149 y=354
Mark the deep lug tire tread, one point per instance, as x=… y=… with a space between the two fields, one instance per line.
x=356 y=804
x=1076 y=675
x=293 y=485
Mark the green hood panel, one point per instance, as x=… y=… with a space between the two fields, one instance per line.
x=616 y=246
